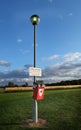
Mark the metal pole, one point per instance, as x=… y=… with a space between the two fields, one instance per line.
x=34 y=49
x=35 y=106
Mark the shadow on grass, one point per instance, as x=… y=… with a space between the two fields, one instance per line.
x=9 y=124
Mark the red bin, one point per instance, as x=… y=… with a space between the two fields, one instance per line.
x=38 y=92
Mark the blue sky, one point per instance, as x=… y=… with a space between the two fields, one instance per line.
x=58 y=40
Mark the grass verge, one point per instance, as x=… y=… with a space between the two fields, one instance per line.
x=60 y=108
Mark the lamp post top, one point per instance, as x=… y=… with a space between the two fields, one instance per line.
x=35 y=19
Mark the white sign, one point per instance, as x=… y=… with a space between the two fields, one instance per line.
x=41 y=91
x=35 y=71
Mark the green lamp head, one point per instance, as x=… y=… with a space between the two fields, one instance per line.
x=35 y=19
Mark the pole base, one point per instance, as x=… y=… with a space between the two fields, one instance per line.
x=29 y=123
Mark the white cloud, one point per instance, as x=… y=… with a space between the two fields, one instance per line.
x=18 y=76
x=50 y=1
x=70 y=14
x=19 y=40
x=4 y=63
x=69 y=68
x=24 y=52
x=72 y=57
x=50 y=58
x=27 y=66
x=62 y=72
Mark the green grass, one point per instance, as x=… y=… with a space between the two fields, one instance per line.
x=61 y=109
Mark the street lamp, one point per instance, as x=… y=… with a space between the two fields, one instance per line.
x=35 y=19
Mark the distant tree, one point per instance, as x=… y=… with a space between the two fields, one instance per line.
x=16 y=85
x=25 y=85
x=11 y=84
x=67 y=82
x=40 y=81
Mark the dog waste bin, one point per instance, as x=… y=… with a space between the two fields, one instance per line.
x=38 y=91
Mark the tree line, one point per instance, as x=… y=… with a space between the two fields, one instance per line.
x=61 y=83
x=12 y=84
x=67 y=82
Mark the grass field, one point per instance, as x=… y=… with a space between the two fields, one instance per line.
x=61 y=109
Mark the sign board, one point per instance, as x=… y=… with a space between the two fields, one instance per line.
x=35 y=71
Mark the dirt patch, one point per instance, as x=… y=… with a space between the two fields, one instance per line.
x=29 y=123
